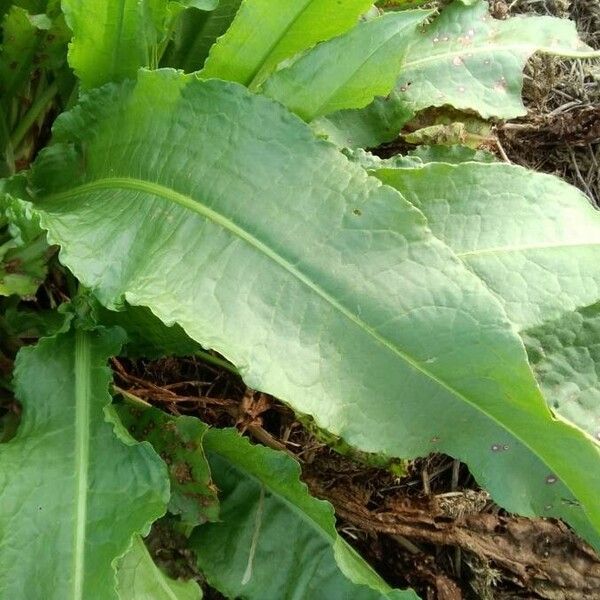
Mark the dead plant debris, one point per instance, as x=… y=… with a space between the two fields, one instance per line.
x=432 y=529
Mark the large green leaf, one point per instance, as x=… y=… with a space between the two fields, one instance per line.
x=348 y=71
x=141 y=579
x=533 y=239
x=196 y=32
x=471 y=61
x=178 y=441
x=266 y=513
x=324 y=287
x=112 y=39
x=565 y=355
x=73 y=493
x=262 y=35
x=464 y=58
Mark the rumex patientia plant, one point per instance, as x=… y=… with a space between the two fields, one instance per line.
x=205 y=186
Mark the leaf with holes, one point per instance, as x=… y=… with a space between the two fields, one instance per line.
x=465 y=59
x=178 y=441
x=471 y=61
x=69 y=485
x=328 y=296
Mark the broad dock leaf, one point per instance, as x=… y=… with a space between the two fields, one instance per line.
x=262 y=35
x=469 y=60
x=348 y=71
x=220 y=211
x=70 y=489
x=533 y=239
x=465 y=59
x=281 y=542
x=140 y=579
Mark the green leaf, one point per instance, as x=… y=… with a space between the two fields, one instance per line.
x=380 y=121
x=71 y=489
x=112 y=39
x=196 y=32
x=23 y=250
x=464 y=58
x=348 y=71
x=260 y=37
x=26 y=35
x=141 y=579
x=533 y=239
x=178 y=441
x=333 y=296
x=267 y=512
x=565 y=356
x=147 y=336
x=470 y=61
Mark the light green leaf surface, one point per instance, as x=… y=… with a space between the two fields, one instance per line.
x=70 y=488
x=565 y=356
x=196 y=32
x=281 y=542
x=261 y=35
x=322 y=286
x=533 y=239
x=140 y=579
x=178 y=441
x=348 y=71
x=469 y=60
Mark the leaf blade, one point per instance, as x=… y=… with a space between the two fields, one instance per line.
x=68 y=417
x=240 y=55
x=265 y=505
x=379 y=307
x=473 y=62
x=348 y=71
x=534 y=240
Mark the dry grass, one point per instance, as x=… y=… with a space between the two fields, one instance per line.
x=561 y=133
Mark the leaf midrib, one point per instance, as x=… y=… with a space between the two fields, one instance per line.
x=523 y=248
x=388 y=40
x=189 y=203
x=494 y=49
x=83 y=387
x=276 y=43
